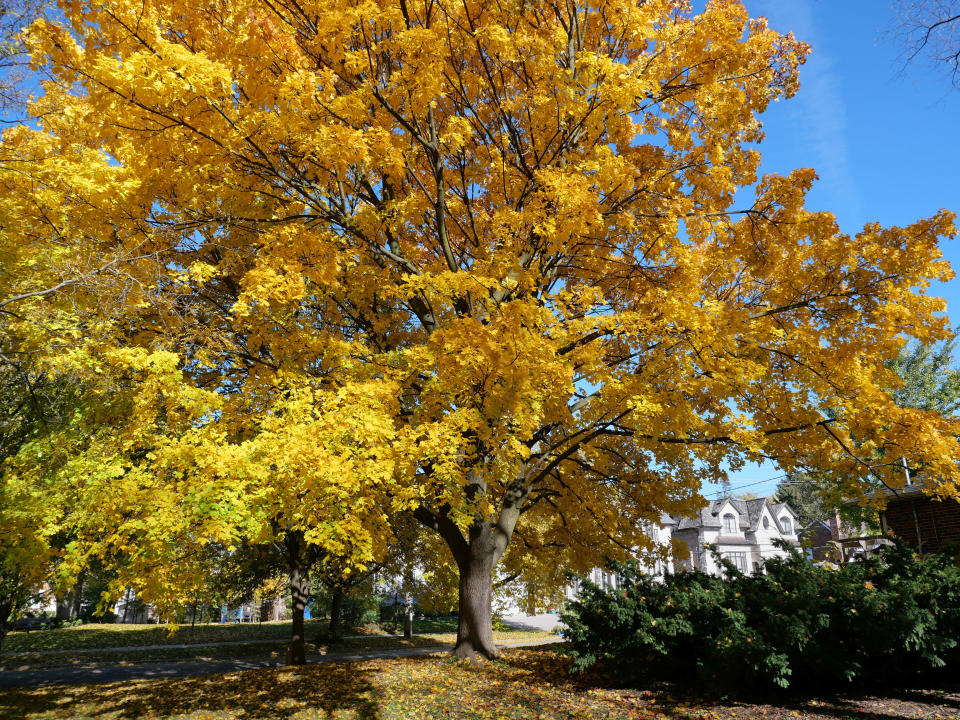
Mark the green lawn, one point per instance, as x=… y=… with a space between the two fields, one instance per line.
x=117 y=635
x=260 y=647
x=91 y=636
x=95 y=635
x=523 y=685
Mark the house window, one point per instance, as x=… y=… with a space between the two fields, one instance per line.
x=729 y=524
x=766 y=523
x=787 y=527
x=739 y=559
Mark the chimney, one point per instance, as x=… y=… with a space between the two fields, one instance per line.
x=834 y=523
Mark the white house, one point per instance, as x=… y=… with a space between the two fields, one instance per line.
x=743 y=531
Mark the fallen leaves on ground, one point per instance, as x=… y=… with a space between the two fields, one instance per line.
x=522 y=685
x=249 y=649
x=96 y=636
x=107 y=635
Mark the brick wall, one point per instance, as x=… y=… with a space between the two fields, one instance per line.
x=817 y=538
x=939 y=521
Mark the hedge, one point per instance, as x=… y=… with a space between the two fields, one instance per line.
x=888 y=618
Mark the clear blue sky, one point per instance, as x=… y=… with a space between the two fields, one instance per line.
x=883 y=137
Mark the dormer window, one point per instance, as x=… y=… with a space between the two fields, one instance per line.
x=766 y=523
x=787 y=527
x=729 y=523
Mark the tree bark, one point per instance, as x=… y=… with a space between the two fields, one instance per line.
x=477 y=554
x=78 y=596
x=336 y=609
x=63 y=608
x=408 y=615
x=299 y=589
x=475 y=626
x=6 y=615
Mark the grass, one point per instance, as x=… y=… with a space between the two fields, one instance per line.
x=523 y=685
x=94 y=635
x=258 y=648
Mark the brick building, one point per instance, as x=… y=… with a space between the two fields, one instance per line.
x=833 y=541
x=923 y=522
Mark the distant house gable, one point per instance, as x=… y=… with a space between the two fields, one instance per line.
x=745 y=532
x=786 y=518
x=732 y=519
x=767 y=520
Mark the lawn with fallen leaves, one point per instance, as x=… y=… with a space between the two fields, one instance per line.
x=523 y=685
x=251 y=649
x=109 y=635
x=101 y=636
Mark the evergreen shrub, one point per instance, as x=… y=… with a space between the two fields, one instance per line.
x=894 y=616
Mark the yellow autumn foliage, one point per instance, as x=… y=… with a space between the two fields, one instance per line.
x=475 y=260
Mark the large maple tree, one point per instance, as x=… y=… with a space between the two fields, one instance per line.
x=502 y=240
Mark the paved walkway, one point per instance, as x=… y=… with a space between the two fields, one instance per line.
x=162 y=670
x=545 y=621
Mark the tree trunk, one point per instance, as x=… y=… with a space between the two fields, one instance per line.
x=475 y=626
x=336 y=610
x=6 y=616
x=476 y=555
x=408 y=616
x=78 y=596
x=63 y=608
x=299 y=589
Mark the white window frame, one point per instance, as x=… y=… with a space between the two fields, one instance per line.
x=739 y=560
x=729 y=523
x=787 y=525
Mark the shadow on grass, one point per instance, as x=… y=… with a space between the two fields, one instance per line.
x=277 y=693
x=97 y=636
x=944 y=697
x=529 y=683
x=688 y=702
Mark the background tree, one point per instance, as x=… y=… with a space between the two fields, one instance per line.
x=497 y=243
x=33 y=407
x=803 y=491
x=931 y=28
x=926 y=379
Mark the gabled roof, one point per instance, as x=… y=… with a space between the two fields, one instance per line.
x=749 y=511
x=776 y=509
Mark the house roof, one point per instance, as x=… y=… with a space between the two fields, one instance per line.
x=749 y=512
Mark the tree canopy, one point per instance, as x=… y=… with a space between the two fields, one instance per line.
x=926 y=379
x=478 y=262
x=931 y=28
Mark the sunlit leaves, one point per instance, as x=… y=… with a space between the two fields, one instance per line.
x=478 y=259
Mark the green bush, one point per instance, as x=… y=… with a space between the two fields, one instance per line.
x=890 y=617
